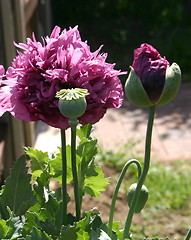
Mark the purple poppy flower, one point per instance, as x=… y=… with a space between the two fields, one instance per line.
x=151 y=69
x=62 y=61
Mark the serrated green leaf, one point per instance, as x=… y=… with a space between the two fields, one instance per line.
x=69 y=233
x=4 y=213
x=41 y=187
x=117 y=233
x=56 y=165
x=30 y=223
x=15 y=225
x=50 y=207
x=18 y=194
x=39 y=161
x=93 y=185
x=99 y=230
x=4 y=229
x=84 y=131
x=91 y=178
x=104 y=236
x=37 y=234
x=86 y=150
x=79 y=230
x=48 y=226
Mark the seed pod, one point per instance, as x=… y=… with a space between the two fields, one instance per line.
x=72 y=102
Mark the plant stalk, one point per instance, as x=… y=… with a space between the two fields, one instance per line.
x=144 y=172
x=188 y=236
x=64 y=178
x=73 y=123
x=114 y=198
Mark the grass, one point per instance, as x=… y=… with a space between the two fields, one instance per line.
x=169 y=184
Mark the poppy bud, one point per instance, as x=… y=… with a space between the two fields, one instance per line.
x=72 y=103
x=152 y=81
x=142 y=199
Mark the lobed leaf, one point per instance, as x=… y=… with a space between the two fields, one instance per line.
x=17 y=193
x=85 y=131
x=39 y=161
x=4 y=229
x=37 y=234
x=91 y=178
x=94 y=184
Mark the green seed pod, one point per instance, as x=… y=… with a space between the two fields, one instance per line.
x=143 y=196
x=72 y=102
x=73 y=108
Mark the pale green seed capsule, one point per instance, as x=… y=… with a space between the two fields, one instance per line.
x=72 y=102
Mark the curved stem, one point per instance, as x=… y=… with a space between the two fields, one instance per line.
x=144 y=172
x=188 y=236
x=64 y=178
x=114 y=198
x=73 y=123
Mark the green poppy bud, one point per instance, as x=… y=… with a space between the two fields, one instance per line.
x=72 y=102
x=142 y=199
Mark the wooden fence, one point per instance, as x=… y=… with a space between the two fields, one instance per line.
x=18 y=19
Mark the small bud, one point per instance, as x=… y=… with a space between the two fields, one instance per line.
x=72 y=102
x=142 y=199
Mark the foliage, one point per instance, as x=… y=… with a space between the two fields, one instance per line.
x=122 y=25
x=33 y=211
x=30 y=210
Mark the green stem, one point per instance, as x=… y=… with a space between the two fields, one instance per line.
x=73 y=123
x=114 y=198
x=144 y=172
x=188 y=236
x=64 y=178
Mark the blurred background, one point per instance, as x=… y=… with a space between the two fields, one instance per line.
x=121 y=26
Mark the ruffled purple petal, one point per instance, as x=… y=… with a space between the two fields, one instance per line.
x=151 y=69
x=62 y=60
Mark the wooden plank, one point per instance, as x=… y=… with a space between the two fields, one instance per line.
x=30 y=6
x=3 y=127
x=8 y=31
